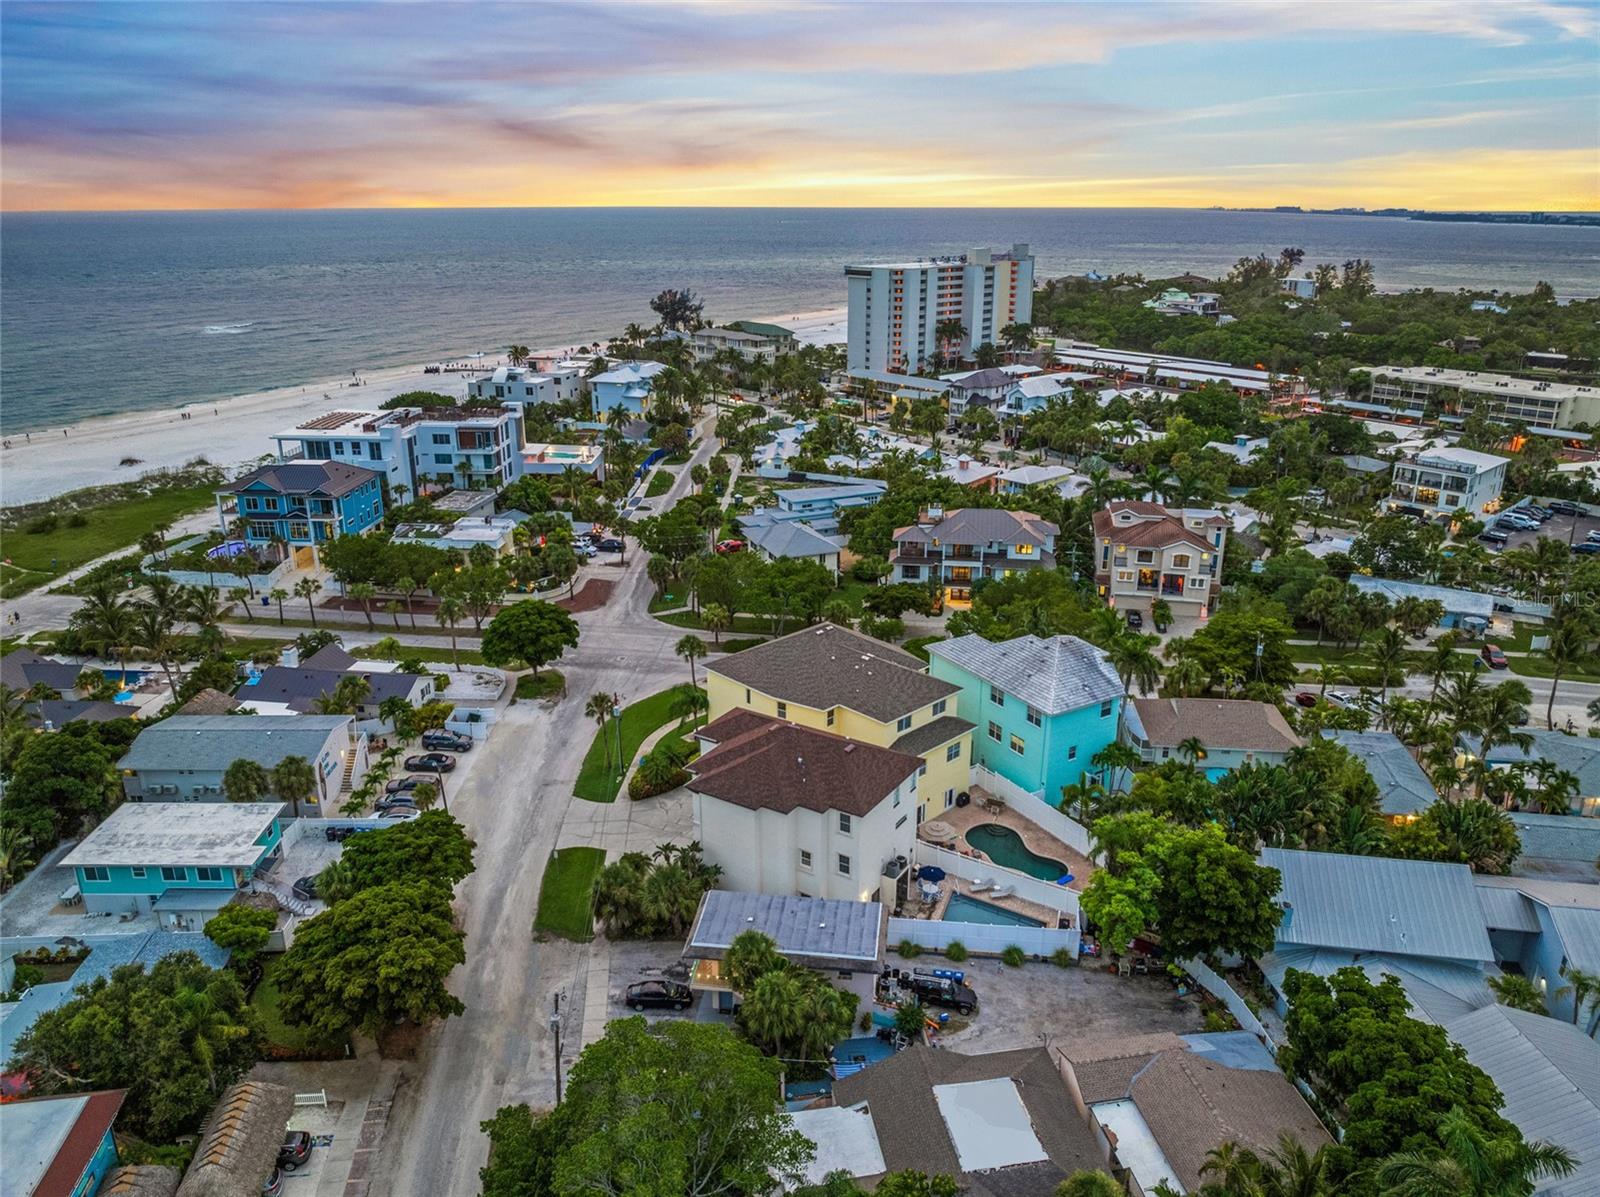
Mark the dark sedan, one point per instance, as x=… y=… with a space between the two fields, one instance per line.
x=431 y=762
x=305 y=888
x=659 y=995
x=404 y=785
x=296 y=1150
x=395 y=802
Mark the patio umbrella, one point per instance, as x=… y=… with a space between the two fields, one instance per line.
x=938 y=830
x=930 y=873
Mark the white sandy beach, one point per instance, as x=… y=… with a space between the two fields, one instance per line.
x=230 y=432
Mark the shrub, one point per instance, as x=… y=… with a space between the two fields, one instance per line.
x=42 y=526
x=77 y=520
x=1219 y=1020
x=910 y=1019
x=641 y=786
x=1063 y=958
x=909 y=950
x=27 y=976
x=955 y=951
x=866 y=1020
x=1013 y=957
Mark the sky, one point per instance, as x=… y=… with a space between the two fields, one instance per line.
x=1453 y=104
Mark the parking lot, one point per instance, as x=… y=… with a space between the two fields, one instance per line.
x=1568 y=529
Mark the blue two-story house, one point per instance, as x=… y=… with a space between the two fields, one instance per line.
x=182 y=861
x=302 y=503
x=630 y=386
x=1042 y=708
x=957 y=548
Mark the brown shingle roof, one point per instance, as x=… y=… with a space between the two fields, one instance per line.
x=911 y=1131
x=932 y=734
x=826 y=666
x=1105 y=1067
x=81 y=1142
x=784 y=767
x=1220 y=723
x=1147 y=534
x=735 y=723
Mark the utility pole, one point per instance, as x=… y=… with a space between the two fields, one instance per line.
x=555 y=1029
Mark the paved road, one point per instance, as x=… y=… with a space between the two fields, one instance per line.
x=514 y=803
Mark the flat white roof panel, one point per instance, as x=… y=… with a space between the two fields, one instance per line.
x=846 y=1140
x=988 y=1124
x=1137 y=1148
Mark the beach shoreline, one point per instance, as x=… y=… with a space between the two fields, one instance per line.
x=41 y=463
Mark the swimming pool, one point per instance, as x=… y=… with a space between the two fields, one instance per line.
x=963 y=909
x=131 y=677
x=1005 y=847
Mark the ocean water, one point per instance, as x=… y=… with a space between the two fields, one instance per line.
x=109 y=313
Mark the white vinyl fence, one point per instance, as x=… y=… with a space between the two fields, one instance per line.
x=1056 y=897
x=1035 y=809
x=982 y=938
x=1218 y=987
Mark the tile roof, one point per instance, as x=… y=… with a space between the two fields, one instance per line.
x=210 y=743
x=981 y=525
x=1403 y=787
x=1061 y=674
x=827 y=933
x=1548 y=1071
x=1375 y=904
x=899 y=1092
x=933 y=734
x=784 y=767
x=1147 y=533
x=825 y=666
x=1218 y=723
x=304 y=477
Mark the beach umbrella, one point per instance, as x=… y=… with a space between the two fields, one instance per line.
x=930 y=873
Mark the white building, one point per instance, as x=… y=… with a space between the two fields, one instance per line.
x=522 y=385
x=556 y=459
x=1430 y=390
x=752 y=347
x=375 y=440
x=895 y=307
x=785 y=809
x=1448 y=481
x=1300 y=288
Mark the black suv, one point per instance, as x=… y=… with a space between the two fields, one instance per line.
x=942 y=991
x=446 y=740
x=295 y=1151
x=659 y=994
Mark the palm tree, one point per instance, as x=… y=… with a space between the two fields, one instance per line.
x=1387 y=651
x=350 y=693
x=598 y=708
x=1569 y=642
x=1500 y=716
x=278 y=595
x=1084 y=799
x=1187 y=678
x=15 y=855
x=517 y=354
x=449 y=613
x=1469 y=1163
x=1584 y=988
x=245 y=781
x=1516 y=991
x=1131 y=656
x=1192 y=750
x=1112 y=760
x=154 y=631
x=293 y=779
x=715 y=619
x=106 y=621
x=364 y=593
x=308 y=589
x=687 y=703
x=1441 y=661
x=691 y=649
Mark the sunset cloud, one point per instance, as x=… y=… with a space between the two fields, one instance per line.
x=139 y=105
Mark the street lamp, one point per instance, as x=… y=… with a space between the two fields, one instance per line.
x=555 y=1029
x=616 y=722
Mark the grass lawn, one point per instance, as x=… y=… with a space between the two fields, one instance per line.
x=598 y=780
x=851 y=592
x=541 y=685
x=566 y=896
x=741 y=623
x=1539 y=666
x=265 y=1001
x=38 y=558
x=918 y=647
x=668 y=602
x=660 y=483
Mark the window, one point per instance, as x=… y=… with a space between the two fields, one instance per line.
x=940 y=707
x=374 y=451
x=1198 y=583
x=1018 y=745
x=953 y=753
x=96 y=873
x=844 y=823
x=1145 y=557
x=805 y=859
x=1072 y=752
x=903 y=723
x=949 y=797
x=138 y=871
x=1180 y=561
x=911 y=573
x=1024 y=550
x=901 y=822
x=783 y=710
x=896 y=801
x=1035 y=718
x=174 y=874
x=997 y=696
x=1124 y=575
x=830 y=715
x=1105 y=707
x=441 y=459
x=994 y=731
x=844 y=865
x=441 y=438
x=747 y=693
x=207 y=873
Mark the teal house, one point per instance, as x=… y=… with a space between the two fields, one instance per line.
x=1042 y=708
x=182 y=861
x=58 y=1146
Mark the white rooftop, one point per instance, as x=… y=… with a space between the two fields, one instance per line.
x=31 y=1133
x=846 y=1141
x=988 y=1124
x=221 y=834
x=1454 y=455
x=1137 y=1149
x=1479 y=382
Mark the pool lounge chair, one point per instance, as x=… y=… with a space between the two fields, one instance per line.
x=978 y=886
x=1002 y=891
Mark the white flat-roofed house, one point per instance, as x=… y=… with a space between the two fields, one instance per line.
x=557 y=459
x=184 y=861
x=786 y=809
x=1534 y=402
x=752 y=347
x=520 y=386
x=375 y=440
x=1448 y=481
x=495 y=531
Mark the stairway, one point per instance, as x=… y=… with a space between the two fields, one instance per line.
x=345 y=783
x=283 y=894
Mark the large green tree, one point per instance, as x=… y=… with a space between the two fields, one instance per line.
x=532 y=632
x=430 y=849
x=174 y=1038
x=244 y=930
x=57 y=781
x=379 y=957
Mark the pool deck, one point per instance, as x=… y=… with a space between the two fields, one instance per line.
x=1042 y=915
x=962 y=819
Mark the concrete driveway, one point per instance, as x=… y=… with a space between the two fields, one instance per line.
x=514 y=801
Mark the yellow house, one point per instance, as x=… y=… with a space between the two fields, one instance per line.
x=852 y=685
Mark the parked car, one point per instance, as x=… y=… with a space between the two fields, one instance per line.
x=447 y=740
x=1340 y=698
x=610 y=545
x=401 y=813
x=273 y=1185
x=1305 y=699
x=657 y=995
x=395 y=802
x=431 y=762
x=1587 y=547
x=1564 y=507
x=1494 y=657
x=404 y=785
x=296 y=1150
x=1539 y=513
x=942 y=991
x=730 y=546
x=305 y=889
x=1593 y=537
x=1135 y=620
x=1495 y=536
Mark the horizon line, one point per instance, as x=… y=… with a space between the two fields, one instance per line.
x=1277 y=210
